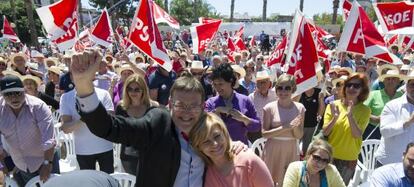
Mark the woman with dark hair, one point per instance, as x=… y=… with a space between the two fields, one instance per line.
x=315 y=170
x=236 y=110
x=344 y=123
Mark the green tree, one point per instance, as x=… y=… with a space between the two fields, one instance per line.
x=301 y=5
x=124 y=11
x=324 y=19
x=184 y=11
x=22 y=23
x=335 y=11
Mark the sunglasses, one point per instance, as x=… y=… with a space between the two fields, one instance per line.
x=134 y=89
x=260 y=59
x=339 y=84
x=354 y=85
x=10 y=94
x=197 y=73
x=280 y=88
x=320 y=159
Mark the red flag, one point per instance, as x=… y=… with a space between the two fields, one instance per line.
x=145 y=35
x=68 y=40
x=102 y=31
x=240 y=45
x=323 y=33
x=346 y=8
x=393 y=40
x=252 y=42
x=239 y=33
x=203 y=34
x=203 y=20
x=58 y=18
x=363 y=37
x=277 y=55
x=163 y=17
x=8 y=31
x=302 y=55
x=317 y=37
x=231 y=49
x=394 y=15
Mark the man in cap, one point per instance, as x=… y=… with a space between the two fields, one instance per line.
x=26 y=124
x=160 y=83
x=198 y=71
x=396 y=125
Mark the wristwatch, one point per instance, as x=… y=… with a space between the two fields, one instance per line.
x=47 y=162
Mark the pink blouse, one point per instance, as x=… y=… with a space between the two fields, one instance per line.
x=249 y=171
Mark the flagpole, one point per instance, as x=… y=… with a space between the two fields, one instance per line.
x=109 y=10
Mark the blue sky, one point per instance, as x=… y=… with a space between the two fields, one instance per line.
x=254 y=7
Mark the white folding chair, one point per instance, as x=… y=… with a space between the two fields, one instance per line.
x=360 y=175
x=124 y=179
x=9 y=182
x=69 y=163
x=258 y=146
x=56 y=116
x=117 y=158
x=368 y=149
x=36 y=182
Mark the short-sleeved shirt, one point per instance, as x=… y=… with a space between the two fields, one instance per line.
x=312 y=106
x=86 y=143
x=345 y=146
x=65 y=83
x=163 y=84
x=377 y=100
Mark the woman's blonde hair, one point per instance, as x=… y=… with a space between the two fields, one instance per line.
x=201 y=132
x=286 y=78
x=126 y=100
x=319 y=144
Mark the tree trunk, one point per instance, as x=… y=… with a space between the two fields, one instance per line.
x=264 y=10
x=32 y=27
x=113 y=14
x=231 y=11
x=335 y=11
x=166 y=6
x=301 y=5
x=195 y=11
x=13 y=11
x=80 y=14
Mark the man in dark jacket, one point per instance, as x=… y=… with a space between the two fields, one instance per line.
x=166 y=157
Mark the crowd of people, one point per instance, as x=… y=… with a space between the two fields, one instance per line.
x=192 y=126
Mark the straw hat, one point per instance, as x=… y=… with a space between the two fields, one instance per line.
x=390 y=73
x=13 y=56
x=197 y=65
x=124 y=68
x=262 y=75
x=55 y=69
x=11 y=72
x=386 y=66
x=239 y=70
x=405 y=67
x=347 y=69
x=409 y=76
x=31 y=77
x=340 y=79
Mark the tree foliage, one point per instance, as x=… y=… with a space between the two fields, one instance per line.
x=326 y=18
x=22 y=24
x=186 y=11
x=124 y=11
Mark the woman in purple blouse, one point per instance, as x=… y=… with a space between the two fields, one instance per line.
x=236 y=110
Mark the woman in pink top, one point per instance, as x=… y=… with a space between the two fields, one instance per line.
x=211 y=141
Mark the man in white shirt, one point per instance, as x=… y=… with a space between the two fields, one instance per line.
x=397 y=125
x=89 y=148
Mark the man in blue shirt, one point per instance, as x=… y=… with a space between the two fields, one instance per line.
x=396 y=174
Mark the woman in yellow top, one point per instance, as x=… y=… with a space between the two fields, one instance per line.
x=345 y=121
x=316 y=170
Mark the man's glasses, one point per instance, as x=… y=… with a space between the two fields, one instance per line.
x=186 y=108
x=10 y=94
x=280 y=88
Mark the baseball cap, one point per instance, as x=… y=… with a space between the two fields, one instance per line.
x=11 y=83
